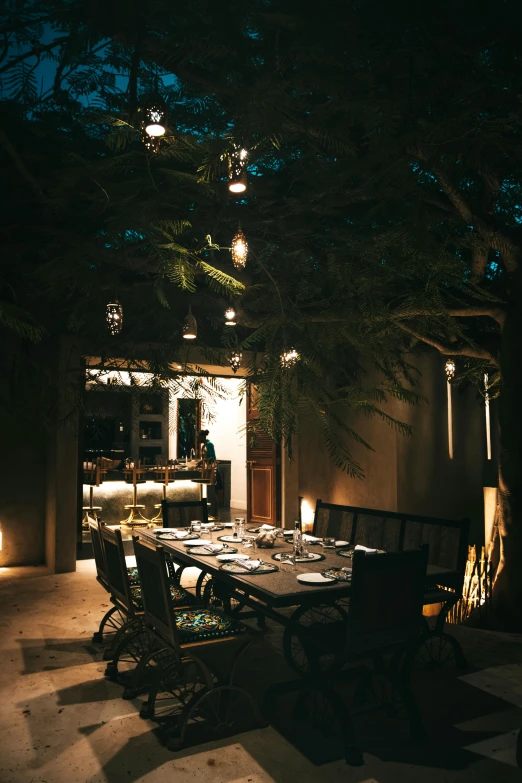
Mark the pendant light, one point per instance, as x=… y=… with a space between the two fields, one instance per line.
x=230 y=316
x=154 y=116
x=239 y=249
x=289 y=358
x=190 y=327
x=449 y=369
x=237 y=180
x=114 y=317
x=235 y=360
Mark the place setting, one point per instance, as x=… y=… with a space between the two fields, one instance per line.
x=243 y=565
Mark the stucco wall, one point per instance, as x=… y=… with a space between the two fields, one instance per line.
x=412 y=474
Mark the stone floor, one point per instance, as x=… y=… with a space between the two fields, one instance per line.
x=62 y=722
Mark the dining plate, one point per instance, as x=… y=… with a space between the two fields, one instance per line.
x=311 y=557
x=235 y=568
x=231 y=556
x=203 y=550
x=342 y=543
x=201 y=542
x=166 y=530
x=177 y=536
x=315 y=579
x=342 y=574
x=230 y=539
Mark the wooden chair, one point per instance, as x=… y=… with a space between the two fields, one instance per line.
x=180 y=513
x=370 y=644
x=114 y=618
x=394 y=531
x=131 y=642
x=207 y=480
x=185 y=697
x=135 y=518
x=92 y=477
x=167 y=477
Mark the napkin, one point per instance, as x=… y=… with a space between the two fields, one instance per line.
x=310 y=539
x=250 y=565
x=213 y=547
x=267 y=527
x=366 y=549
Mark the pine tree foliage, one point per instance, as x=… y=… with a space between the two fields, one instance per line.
x=383 y=209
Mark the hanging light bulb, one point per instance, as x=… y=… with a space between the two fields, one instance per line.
x=239 y=250
x=235 y=360
x=449 y=369
x=190 y=327
x=230 y=316
x=289 y=358
x=154 y=116
x=237 y=181
x=114 y=317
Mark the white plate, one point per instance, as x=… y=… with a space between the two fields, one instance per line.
x=232 y=557
x=231 y=539
x=315 y=579
x=198 y=542
x=342 y=543
x=166 y=530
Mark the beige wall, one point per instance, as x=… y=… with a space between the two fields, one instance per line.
x=412 y=474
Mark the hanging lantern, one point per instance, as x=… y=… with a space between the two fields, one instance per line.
x=114 y=317
x=289 y=358
x=235 y=360
x=154 y=116
x=230 y=316
x=449 y=369
x=239 y=250
x=151 y=143
x=237 y=181
x=190 y=327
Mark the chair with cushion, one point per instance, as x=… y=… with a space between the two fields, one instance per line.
x=185 y=697
x=114 y=618
x=370 y=645
x=180 y=513
x=131 y=642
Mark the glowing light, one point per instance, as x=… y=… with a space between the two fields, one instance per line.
x=230 y=316
x=449 y=369
x=235 y=360
x=239 y=250
x=289 y=358
x=488 y=419
x=154 y=118
x=114 y=317
x=237 y=181
x=190 y=327
x=307 y=517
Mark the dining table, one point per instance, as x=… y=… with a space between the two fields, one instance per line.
x=273 y=594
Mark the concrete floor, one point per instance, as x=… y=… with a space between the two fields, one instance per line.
x=62 y=722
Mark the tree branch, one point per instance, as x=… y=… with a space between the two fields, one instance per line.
x=475 y=352
x=33 y=53
x=498 y=313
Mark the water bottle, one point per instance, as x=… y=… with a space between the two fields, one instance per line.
x=298 y=538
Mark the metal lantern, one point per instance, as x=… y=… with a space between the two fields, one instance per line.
x=239 y=250
x=289 y=358
x=237 y=181
x=190 y=327
x=151 y=143
x=154 y=116
x=230 y=316
x=114 y=317
x=449 y=369
x=235 y=360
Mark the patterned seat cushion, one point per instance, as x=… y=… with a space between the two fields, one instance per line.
x=133 y=575
x=180 y=597
x=194 y=625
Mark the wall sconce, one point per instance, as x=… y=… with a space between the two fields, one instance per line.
x=307 y=516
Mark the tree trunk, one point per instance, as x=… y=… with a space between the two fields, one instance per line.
x=507 y=590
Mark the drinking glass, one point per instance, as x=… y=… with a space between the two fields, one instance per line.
x=249 y=541
x=195 y=526
x=329 y=543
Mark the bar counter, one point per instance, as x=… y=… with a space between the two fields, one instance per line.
x=114 y=493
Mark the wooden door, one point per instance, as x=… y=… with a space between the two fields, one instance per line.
x=262 y=473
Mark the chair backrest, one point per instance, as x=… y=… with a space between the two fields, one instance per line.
x=386 y=600
x=180 y=513
x=155 y=590
x=208 y=471
x=394 y=531
x=99 y=554
x=118 y=577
